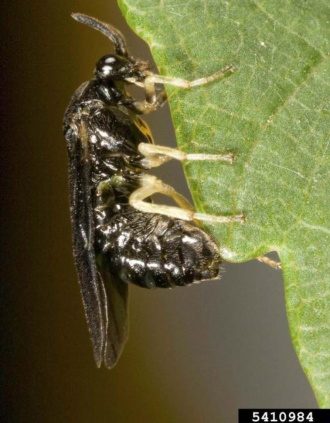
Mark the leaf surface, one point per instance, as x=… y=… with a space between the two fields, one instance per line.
x=273 y=112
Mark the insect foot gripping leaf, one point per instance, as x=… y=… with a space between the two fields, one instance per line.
x=273 y=112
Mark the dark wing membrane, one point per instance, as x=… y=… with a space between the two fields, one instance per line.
x=106 y=320
x=116 y=295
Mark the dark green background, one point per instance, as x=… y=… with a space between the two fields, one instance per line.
x=194 y=355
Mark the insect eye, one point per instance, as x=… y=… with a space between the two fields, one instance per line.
x=105 y=66
x=111 y=66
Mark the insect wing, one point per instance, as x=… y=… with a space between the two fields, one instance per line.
x=104 y=300
x=116 y=334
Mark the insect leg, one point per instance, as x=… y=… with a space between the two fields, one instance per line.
x=151 y=185
x=156 y=155
x=183 y=83
x=269 y=262
x=154 y=100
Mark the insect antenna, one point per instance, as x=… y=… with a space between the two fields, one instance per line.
x=109 y=31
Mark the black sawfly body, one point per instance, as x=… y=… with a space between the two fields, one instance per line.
x=115 y=243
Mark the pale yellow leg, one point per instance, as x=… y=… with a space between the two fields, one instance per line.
x=155 y=99
x=269 y=262
x=151 y=185
x=183 y=83
x=156 y=155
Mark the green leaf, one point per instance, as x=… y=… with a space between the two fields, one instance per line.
x=273 y=113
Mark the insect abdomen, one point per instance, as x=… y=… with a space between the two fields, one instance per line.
x=152 y=250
